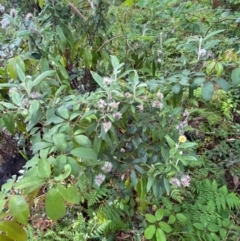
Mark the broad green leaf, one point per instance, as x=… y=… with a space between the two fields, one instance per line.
x=70 y=194
x=207 y=90
x=98 y=79
x=214 y=237
x=54 y=205
x=197 y=82
x=150 y=232
x=198 y=226
x=84 y=153
x=30 y=182
x=165 y=227
x=151 y=180
x=223 y=84
x=59 y=140
x=223 y=233
x=159 y=214
x=171 y=219
x=44 y=168
x=63 y=112
x=212 y=34
x=40 y=145
x=13 y=230
x=16 y=98
x=219 y=69
x=67 y=172
x=41 y=3
x=61 y=35
x=87 y=57
x=160 y=235
x=114 y=61
x=20 y=72
x=167 y=203
x=134 y=179
x=19 y=209
x=176 y=88
x=5 y=238
x=212 y=227
x=181 y=217
x=235 y=76
x=83 y=140
x=42 y=76
x=188 y=144
x=150 y=218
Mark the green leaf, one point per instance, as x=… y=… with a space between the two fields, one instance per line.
x=223 y=84
x=84 y=153
x=63 y=112
x=41 y=3
x=223 y=233
x=150 y=218
x=159 y=214
x=41 y=77
x=59 y=140
x=150 y=182
x=134 y=179
x=198 y=226
x=67 y=172
x=31 y=181
x=40 y=145
x=149 y=232
x=197 y=82
x=70 y=194
x=219 y=69
x=182 y=218
x=16 y=98
x=165 y=227
x=176 y=88
x=54 y=205
x=20 y=72
x=83 y=140
x=167 y=203
x=44 y=168
x=19 y=209
x=114 y=61
x=171 y=219
x=99 y=80
x=235 y=76
x=188 y=144
x=5 y=238
x=207 y=90
x=212 y=227
x=160 y=235
x=13 y=230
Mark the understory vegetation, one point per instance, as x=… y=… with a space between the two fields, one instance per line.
x=127 y=114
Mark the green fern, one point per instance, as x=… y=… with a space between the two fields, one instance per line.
x=95 y=195
x=176 y=195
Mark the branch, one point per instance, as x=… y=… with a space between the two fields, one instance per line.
x=76 y=11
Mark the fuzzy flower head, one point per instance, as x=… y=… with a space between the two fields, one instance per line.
x=185 y=180
x=107 y=80
x=29 y=17
x=35 y=95
x=182 y=139
x=157 y=104
x=117 y=115
x=202 y=52
x=114 y=105
x=160 y=95
x=176 y=182
x=99 y=179
x=107 y=167
x=140 y=107
x=102 y=104
x=128 y=95
x=107 y=126
x=13 y=13
x=5 y=22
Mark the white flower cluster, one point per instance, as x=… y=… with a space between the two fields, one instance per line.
x=184 y=181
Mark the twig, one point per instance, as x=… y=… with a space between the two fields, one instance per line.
x=76 y=11
x=118 y=36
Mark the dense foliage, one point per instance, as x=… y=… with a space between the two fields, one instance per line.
x=127 y=115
